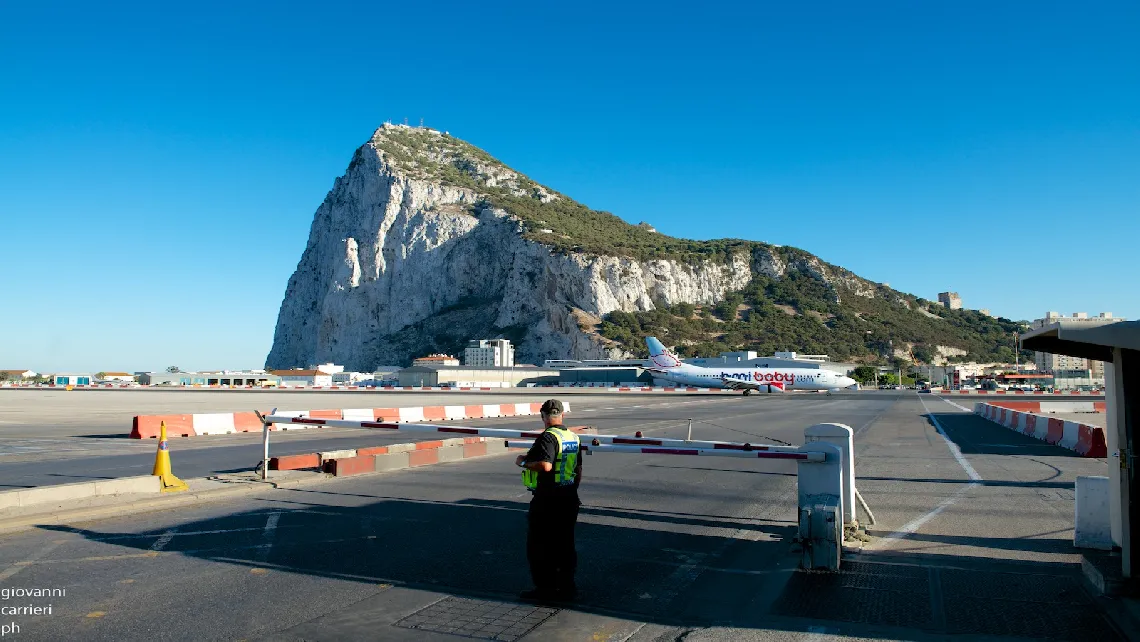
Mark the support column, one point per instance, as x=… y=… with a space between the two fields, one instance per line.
x=1126 y=375
x=1117 y=442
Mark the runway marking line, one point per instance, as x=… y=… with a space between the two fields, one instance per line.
x=268 y=534
x=94 y=558
x=912 y=526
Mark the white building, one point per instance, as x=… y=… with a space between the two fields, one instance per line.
x=821 y=358
x=118 y=376
x=1058 y=362
x=12 y=375
x=353 y=378
x=489 y=352
x=302 y=378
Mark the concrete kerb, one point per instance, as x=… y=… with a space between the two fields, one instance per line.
x=25 y=497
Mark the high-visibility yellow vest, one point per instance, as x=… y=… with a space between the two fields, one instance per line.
x=565 y=462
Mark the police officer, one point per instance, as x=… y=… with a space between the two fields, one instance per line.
x=552 y=471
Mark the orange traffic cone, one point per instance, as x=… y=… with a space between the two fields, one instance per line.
x=169 y=482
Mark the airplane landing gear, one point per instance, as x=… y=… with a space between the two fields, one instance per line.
x=747 y=392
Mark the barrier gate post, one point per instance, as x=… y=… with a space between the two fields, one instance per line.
x=821 y=507
x=843 y=437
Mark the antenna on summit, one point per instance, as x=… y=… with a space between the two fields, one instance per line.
x=421 y=122
x=405 y=121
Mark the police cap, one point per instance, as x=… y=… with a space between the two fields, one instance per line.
x=552 y=407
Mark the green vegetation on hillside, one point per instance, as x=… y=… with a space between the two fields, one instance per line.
x=573 y=226
x=800 y=313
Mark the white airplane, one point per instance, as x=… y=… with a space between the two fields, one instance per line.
x=666 y=365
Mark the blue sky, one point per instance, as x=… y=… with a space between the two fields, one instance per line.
x=160 y=165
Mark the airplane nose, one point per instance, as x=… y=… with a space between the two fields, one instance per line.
x=848 y=382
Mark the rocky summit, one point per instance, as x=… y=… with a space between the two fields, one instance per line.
x=427 y=241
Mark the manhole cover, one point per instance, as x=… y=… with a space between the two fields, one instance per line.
x=480 y=619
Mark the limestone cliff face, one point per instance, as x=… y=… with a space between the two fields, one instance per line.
x=401 y=260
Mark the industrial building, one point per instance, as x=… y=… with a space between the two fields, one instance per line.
x=605 y=375
x=304 y=378
x=489 y=352
x=72 y=379
x=477 y=377
x=223 y=378
x=595 y=363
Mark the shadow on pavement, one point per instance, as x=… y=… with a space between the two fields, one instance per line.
x=977 y=436
x=951 y=595
x=476 y=548
x=984 y=482
x=1051 y=545
x=638 y=565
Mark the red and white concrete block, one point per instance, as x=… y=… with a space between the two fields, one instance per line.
x=1084 y=439
x=1051 y=406
x=192 y=425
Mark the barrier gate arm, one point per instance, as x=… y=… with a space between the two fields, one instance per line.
x=622 y=440
x=708 y=452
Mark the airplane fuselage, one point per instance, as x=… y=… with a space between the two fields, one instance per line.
x=761 y=378
x=668 y=366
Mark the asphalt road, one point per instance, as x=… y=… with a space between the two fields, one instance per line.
x=670 y=547
x=86 y=452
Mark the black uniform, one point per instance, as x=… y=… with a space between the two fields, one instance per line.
x=550 y=524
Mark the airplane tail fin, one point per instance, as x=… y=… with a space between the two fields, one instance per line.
x=661 y=356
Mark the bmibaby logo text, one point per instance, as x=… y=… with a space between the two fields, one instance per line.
x=760 y=377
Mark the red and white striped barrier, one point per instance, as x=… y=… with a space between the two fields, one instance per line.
x=471 y=447
x=1052 y=406
x=147 y=426
x=1084 y=439
x=624 y=441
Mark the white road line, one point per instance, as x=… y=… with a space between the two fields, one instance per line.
x=955 y=405
x=915 y=524
x=163 y=540
x=267 y=534
x=954 y=449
